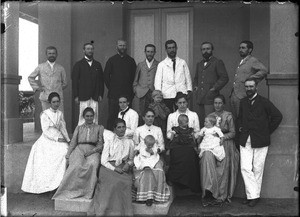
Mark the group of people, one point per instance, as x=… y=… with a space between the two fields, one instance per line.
x=159 y=142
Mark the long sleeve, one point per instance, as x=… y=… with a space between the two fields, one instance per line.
x=130 y=155
x=105 y=156
x=107 y=73
x=136 y=78
x=196 y=76
x=132 y=124
x=231 y=133
x=219 y=132
x=136 y=140
x=275 y=116
x=188 y=78
x=158 y=77
x=170 y=124
x=101 y=81
x=64 y=79
x=133 y=70
x=75 y=80
x=222 y=74
x=160 y=140
x=31 y=79
x=260 y=70
x=99 y=146
x=196 y=123
x=74 y=142
x=47 y=128
x=63 y=128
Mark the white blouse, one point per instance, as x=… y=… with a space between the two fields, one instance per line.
x=173 y=122
x=54 y=125
x=118 y=149
x=131 y=119
x=143 y=131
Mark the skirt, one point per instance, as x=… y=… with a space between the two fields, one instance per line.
x=81 y=176
x=184 y=168
x=45 y=167
x=151 y=184
x=112 y=195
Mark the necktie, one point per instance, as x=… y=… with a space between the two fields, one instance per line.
x=174 y=64
x=124 y=112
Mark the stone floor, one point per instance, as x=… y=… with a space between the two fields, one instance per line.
x=41 y=205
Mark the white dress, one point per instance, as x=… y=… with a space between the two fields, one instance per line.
x=211 y=142
x=145 y=159
x=46 y=164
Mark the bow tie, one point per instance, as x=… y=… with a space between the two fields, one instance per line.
x=124 y=112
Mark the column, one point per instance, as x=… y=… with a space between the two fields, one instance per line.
x=12 y=126
x=281 y=168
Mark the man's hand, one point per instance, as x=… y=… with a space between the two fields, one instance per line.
x=77 y=100
x=212 y=89
x=118 y=170
x=172 y=136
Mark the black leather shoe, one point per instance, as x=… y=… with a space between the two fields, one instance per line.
x=253 y=202
x=149 y=202
x=246 y=201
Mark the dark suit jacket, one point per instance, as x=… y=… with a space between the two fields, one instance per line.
x=87 y=81
x=119 y=75
x=214 y=74
x=144 y=78
x=258 y=120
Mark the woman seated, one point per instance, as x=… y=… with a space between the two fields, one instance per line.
x=83 y=158
x=46 y=163
x=184 y=162
x=113 y=190
x=150 y=183
x=218 y=179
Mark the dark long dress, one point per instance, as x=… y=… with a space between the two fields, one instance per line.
x=220 y=177
x=184 y=161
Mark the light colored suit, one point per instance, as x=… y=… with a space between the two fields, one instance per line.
x=143 y=84
x=52 y=80
x=144 y=78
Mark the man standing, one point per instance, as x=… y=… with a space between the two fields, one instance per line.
x=88 y=82
x=210 y=77
x=249 y=67
x=258 y=119
x=119 y=75
x=52 y=77
x=172 y=76
x=143 y=83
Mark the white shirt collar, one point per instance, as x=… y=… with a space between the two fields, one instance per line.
x=253 y=96
x=51 y=64
x=149 y=64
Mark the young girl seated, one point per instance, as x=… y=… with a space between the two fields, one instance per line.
x=212 y=138
x=148 y=155
x=161 y=111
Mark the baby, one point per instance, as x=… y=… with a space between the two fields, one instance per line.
x=184 y=135
x=147 y=156
x=160 y=109
x=212 y=138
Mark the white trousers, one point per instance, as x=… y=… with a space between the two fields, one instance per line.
x=83 y=105
x=252 y=168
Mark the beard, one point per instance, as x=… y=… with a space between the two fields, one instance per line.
x=122 y=51
x=206 y=55
x=250 y=93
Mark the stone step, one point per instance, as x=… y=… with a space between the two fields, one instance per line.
x=82 y=205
